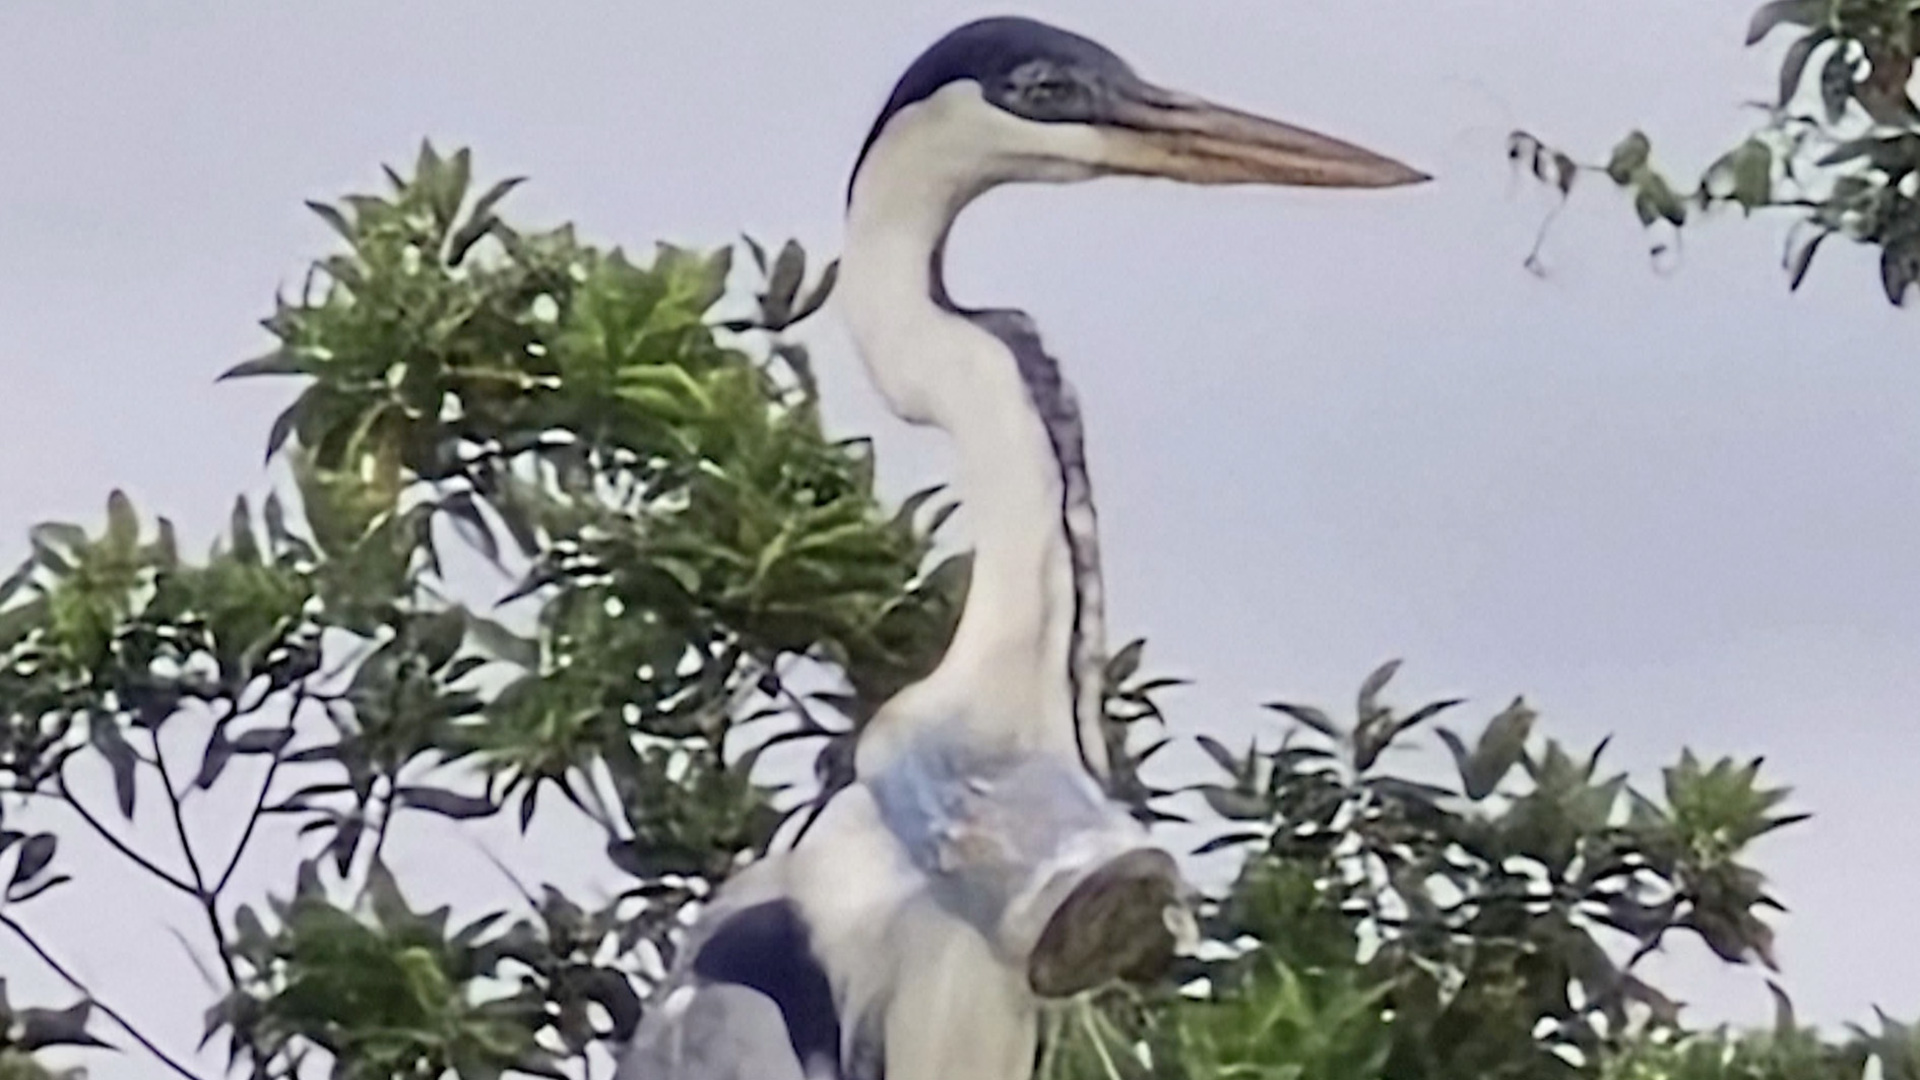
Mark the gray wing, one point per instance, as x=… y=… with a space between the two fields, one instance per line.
x=713 y=1032
x=753 y=1003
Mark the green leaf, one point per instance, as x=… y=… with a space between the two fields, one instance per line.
x=1655 y=199
x=335 y=220
x=277 y=362
x=1629 y=157
x=123 y=524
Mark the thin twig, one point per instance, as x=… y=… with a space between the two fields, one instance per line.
x=209 y=902
x=111 y=1013
x=64 y=794
x=246 y=834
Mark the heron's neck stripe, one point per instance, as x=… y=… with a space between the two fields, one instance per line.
x=1053 y=400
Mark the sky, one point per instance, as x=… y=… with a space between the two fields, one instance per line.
x=1672 y=503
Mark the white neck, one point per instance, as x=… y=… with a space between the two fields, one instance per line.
x=1004 y=682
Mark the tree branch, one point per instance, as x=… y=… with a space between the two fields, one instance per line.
x=65 y=795
x=209 y=901
x=109 y=1011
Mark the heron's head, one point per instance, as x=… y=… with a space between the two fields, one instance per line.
x=1011 y=99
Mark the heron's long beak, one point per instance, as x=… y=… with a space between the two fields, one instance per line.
x=1156 y=132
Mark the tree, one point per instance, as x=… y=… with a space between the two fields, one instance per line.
x=1838 y=150
x=697 y=556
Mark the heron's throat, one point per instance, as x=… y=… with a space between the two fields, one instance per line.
x=1023 y=666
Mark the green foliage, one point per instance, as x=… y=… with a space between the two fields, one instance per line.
x=686 y=534
x=1384 y=926
x=1837 y=148
x=637 y=445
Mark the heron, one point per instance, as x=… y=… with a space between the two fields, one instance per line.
x=977 y=866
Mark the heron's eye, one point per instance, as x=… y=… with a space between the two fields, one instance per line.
x=1047 y=89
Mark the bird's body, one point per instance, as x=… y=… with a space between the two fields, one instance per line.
x=976 y=866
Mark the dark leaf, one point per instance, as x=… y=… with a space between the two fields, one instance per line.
x=26 y=893
x=105 y=735
x=1836 y=84
x=447 y=803
x=1779 y=12
x=1899 y=269
x=1125 y=663
x=334 y=219
x=1310 y=716
x=1227 y=840
x=269 y=740
x=783 y=284
x=41 y=1028
x=1802 y=260
x=611 y=990
x=214 y=761
x=34 y=856
x=1794 y=67
x=1235 y=805
x=651 y=862
x=1221 y=756
x=277 y=362
x=820 y=292
x=1368 y=703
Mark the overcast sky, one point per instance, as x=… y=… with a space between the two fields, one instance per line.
x=1326 y=428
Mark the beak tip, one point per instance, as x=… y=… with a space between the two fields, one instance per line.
x=1405 y=176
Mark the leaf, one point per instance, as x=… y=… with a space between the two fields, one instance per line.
x=214 y=761
x=34 y=856
x=246 y=547
x=1629 y=157
x=277 y=362
x=104 y=733
x=1227 y=840
x=1784 y=1022
x=1235 y=805
x=1802 y=260
x=821 y=291
x=611 y=990
x=782 y=285
x=1221 y=756
x=335 y=220
x=480 y=220
x=1782 y=12
x=1899 y=269
x=1310 y=716
x=1125 y=663
x=651 y=861
x=1836 y=84
x=504 y=643
x=1367 y=703
x=1794 y=67
x=1655 y=199
x=446 y=803
x=21 y=896
x=267 y=740
x=1753 y=174
x=42 y=1028
x=1499 y=750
